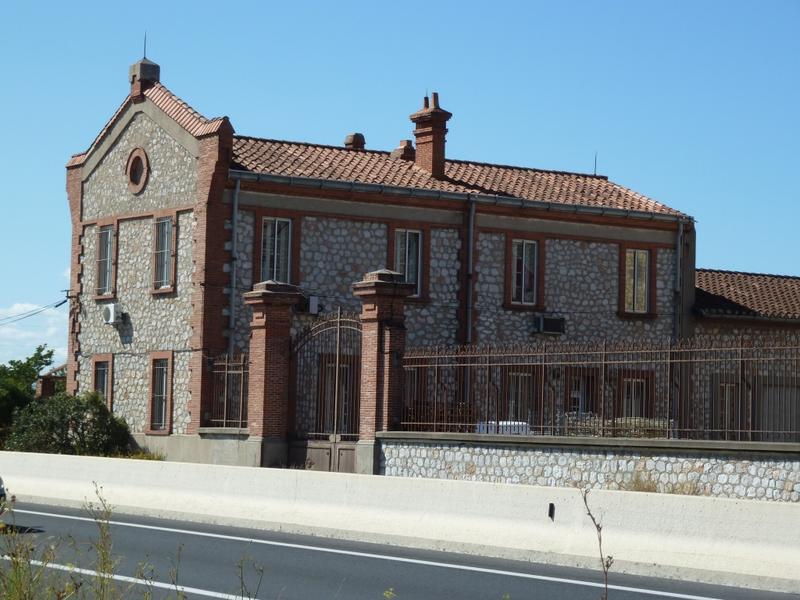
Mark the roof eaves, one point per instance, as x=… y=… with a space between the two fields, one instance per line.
x=319 y=183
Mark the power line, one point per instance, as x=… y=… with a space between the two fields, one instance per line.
x=31 y=313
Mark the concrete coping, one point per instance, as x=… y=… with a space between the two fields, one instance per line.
x=224 y=431
x=578 y=442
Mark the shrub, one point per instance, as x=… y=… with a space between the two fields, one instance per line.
x=66 y=424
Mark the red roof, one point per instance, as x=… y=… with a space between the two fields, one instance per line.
x=733 y=293
x=178 y=110
x=298 y=159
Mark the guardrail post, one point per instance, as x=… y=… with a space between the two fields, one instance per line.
x=270 y=353
x=383 y=341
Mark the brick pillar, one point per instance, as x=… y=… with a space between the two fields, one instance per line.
x=268 y=387
x=383 y=341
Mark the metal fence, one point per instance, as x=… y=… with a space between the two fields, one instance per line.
x=718 y=389
x=229 y=401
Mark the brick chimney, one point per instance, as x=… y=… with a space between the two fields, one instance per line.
x=355 y=141
x=430 y=132
x=142 y=75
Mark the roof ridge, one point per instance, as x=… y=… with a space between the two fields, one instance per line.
x=314 y=144
x=450 y=160
x=181 y=101
x=521 y=168
x=750 y=273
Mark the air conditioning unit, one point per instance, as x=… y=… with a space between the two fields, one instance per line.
x=549 y=325
x=112 y=315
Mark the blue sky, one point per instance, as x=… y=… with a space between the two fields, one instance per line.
x=694 y=104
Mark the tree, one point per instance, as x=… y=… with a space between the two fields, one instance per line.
x=64 y=424
x=17 y=380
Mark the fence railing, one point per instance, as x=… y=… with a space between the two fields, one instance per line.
x=229 y=401
x=732 y=389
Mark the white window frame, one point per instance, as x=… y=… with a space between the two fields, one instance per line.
x=532 y=269
x=104 y=286
x=103 y=366
x=401 y=258
x=275 y=274
x=634 y=280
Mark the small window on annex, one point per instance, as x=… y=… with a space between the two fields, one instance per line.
x=408 y=256
x=524 y=278
x=276 y=246
x=637 y=281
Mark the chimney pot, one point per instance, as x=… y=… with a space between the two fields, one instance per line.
x=404 y=151
x=425 y=103
x=435 y=99
x=355 y=141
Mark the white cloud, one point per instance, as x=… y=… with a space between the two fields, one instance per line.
x=19 y=339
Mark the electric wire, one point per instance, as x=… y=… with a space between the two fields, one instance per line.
x=31 y=313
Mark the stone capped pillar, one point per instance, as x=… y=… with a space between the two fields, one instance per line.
x=268 y=376
x=383 y=341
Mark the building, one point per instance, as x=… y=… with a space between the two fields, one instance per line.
x=175 y=217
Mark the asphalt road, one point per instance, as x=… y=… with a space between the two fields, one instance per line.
x=227 y=562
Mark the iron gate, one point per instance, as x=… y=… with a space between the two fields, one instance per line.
x=326 y=359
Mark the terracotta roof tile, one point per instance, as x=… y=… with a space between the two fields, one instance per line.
x=296 y=159
x=174 y=107
x=721 y=293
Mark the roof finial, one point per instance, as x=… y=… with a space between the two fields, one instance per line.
x=144 y=53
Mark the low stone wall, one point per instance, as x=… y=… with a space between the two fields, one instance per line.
x=720 y=469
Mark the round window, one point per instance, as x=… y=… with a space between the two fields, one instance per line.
x=137 y=170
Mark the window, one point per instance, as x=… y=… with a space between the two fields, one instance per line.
x=524 y=277
x=726 y=408
x=633 y=396
x=275 y=249
x=408 y=256
x=163 y=264
x=582 y=391
x=105 y=260
x=103 y=377
x=637 y=281
x=160 y=392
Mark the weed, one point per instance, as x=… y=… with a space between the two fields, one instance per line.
x=605 y=561
x=640 y=483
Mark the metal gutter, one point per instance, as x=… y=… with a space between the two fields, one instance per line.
x=495 y=200
x=758 y=318
x=470 y=266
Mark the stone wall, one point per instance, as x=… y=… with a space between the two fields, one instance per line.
x=154 y=322
x=581 y=283
x=734 y=474
x=436 y=322
x=245 y=258
x=171 y=183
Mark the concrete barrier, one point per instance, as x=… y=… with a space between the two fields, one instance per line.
x=737 y=542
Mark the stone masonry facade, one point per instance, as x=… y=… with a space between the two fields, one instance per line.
x=581 y=284
x=729 y=475
x=154 y=322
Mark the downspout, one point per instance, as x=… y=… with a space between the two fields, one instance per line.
x=470 y=264
x=676 y=322
x=233 y=288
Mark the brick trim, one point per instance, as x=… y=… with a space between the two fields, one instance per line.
x=109 y=358
x=652 y=299
x=74 y=196
x=152 y=357
x=137 y=154
x=454 y=205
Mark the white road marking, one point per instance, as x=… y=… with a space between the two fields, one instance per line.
x=400 y=559
x=134 y=580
